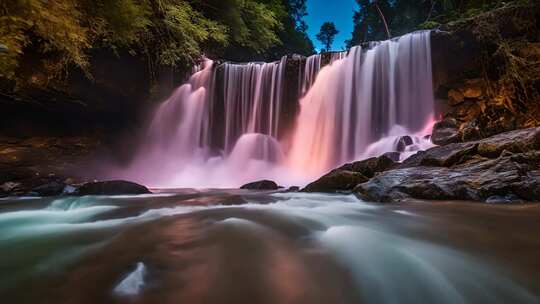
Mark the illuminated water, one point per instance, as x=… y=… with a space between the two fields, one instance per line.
x=220 y=246
x=235 y=123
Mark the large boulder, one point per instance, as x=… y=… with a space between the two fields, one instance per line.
x=515 y=141
x=403 y=142
x=51 y=188
x=443 y=156
x=445 y=132
x=346 y=177
x=501 y=168
x=336 y=181
x=456 y=153
x=261 y=185
x=368 y=167
x=114 y=187
x=478 y=180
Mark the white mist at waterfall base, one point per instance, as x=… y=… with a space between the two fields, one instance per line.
x=231 y=123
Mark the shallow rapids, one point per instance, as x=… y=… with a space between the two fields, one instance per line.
x=218 y=246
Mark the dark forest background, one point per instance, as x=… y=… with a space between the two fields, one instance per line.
x=57 y=35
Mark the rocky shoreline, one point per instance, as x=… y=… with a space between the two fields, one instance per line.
x=52 y=166
x=504 y=168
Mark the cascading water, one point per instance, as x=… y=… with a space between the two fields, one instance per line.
x=252 y=97
x=357 y=100
x=227 y=124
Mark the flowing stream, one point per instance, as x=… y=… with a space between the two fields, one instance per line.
x=219 y=246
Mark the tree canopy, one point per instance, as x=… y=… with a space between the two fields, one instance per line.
x=378 y=19
x=63 y=33
x=326 y=35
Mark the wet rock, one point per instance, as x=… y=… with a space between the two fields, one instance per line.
x=453 y=154
x=115 y=187
x=515 y=141
x=69 y=190
x=394 y=156
x=445 y=132
x=8 y=186
x=293 y=189
x=443 y=156
x=477 y=180
x=261 y=185
x=368 y=167
x=346 y=177
x=504 y=168
x=336 y=181
x=51 y=188
x=403 y=142
x=470 y=131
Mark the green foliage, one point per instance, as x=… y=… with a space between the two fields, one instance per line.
x=62 y=33
x=404 y=16
x=186 y=31
x=56 y=25
x=118 y=22
x=326 y=35
x=429 y=25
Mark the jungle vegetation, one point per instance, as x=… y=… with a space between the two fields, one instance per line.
x=383 y=19
x=62 y=34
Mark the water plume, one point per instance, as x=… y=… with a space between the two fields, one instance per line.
x=231 y=123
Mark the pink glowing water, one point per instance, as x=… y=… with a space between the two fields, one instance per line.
x=226 y=125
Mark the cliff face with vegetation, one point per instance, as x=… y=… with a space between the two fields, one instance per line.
x=487 y=73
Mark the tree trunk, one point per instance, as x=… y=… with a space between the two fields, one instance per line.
x=430 y=10
x=383 y=19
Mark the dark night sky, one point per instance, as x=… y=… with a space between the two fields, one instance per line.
x=338 y=11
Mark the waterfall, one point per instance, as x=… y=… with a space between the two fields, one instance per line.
x=228 y=124
x=252 y=96
x=356 y=100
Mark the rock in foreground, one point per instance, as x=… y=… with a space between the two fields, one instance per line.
x=504 y=168
x=505 y=165
x=336 y=181
x=115 y=187
x=261 y=185
x=346 y=177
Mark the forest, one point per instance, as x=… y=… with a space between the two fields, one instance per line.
x=59 y=35
x=64 y=33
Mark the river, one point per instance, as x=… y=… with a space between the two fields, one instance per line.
x=236 y=246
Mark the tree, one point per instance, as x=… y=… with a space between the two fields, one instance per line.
x=383 y=19
x=377 y=19
x=326 y=35
x=61 y=35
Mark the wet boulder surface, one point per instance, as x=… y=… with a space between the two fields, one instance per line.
x=504 y=168
x=114 y=187
x=261 y=185
x=348 y=176
x=501 y=168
